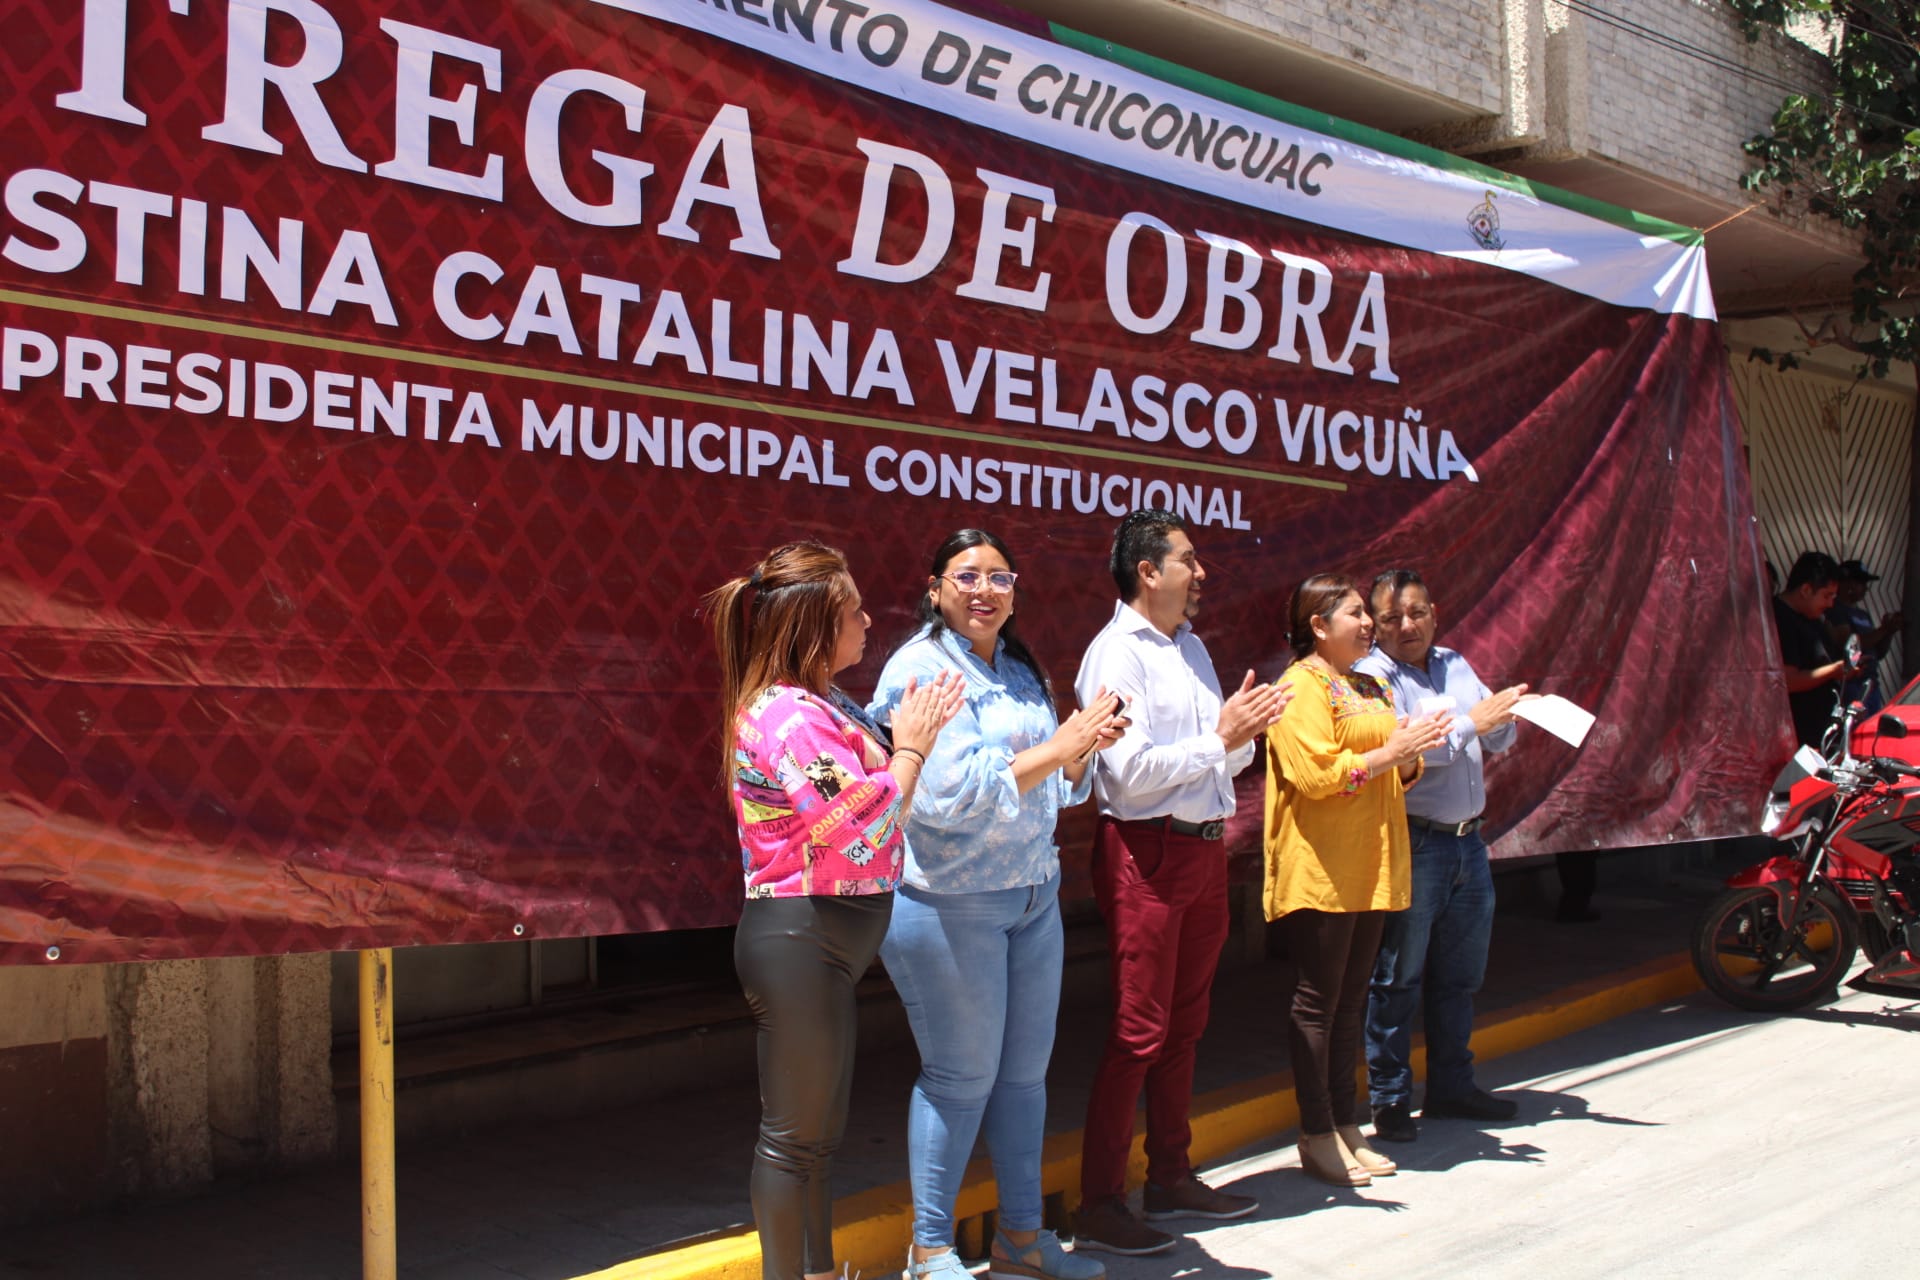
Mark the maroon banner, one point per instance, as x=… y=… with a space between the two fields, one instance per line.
x=383 y=383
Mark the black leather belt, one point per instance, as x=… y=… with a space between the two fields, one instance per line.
x=1211 y=830
x=1468 y=827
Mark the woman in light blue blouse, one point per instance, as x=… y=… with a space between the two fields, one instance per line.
x=975 y=946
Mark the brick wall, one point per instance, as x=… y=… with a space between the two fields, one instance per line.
x=1651 y=106
x=1448 y=47
x=1676 y=116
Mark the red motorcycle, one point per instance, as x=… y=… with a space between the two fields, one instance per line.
x=1784 y=932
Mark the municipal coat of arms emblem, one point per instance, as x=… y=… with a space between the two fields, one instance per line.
x=1483 y=224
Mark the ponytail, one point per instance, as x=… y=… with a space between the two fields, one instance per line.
x=776 y=625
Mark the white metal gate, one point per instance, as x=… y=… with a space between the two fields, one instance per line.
x=1831 y=462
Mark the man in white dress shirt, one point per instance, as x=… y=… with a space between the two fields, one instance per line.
x=1165 y=791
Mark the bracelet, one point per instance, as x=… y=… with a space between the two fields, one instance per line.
x=918 y=759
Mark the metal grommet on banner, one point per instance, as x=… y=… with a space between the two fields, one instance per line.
x=53 y=953
x=519 y=931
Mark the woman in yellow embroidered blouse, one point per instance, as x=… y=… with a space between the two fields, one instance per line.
x=1339 y=761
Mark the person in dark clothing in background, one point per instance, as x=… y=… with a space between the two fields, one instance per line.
x=1815 y=666
x=1849 y=617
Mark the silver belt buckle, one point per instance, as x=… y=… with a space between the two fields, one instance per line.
x=1213 y=830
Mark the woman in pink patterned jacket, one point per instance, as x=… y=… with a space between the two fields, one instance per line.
x=820 y=800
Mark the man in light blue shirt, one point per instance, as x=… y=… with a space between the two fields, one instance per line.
x=1437 y=948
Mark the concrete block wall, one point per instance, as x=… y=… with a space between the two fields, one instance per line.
x=1452 y=48
x=1677 y=116
x=1668 y=88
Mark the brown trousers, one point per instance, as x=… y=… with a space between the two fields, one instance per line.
x=1333 y=953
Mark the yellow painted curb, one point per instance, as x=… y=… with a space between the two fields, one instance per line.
x=874 y=1226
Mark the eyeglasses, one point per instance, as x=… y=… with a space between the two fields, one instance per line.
x=972 y=580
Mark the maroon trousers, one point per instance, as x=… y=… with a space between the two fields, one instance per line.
x=1164 y=898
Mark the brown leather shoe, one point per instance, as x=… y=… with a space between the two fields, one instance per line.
x=1192 y=1198
x=1108 y=1225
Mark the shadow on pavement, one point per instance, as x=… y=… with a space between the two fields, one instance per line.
x=1208 y=1267
x=1441 y=1149
x=1897 y=1017
x=1286 y=1192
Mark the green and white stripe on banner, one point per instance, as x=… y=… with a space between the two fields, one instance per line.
x=1100 y=102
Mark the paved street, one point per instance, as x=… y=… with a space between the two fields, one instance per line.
x=1688 y=1141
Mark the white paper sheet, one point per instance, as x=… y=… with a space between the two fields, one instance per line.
x=1564 y=720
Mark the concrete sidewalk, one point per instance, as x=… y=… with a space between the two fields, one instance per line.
x=646 y=1190
x=1684 y=1140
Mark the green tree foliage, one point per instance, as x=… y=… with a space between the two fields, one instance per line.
x=1854 y=156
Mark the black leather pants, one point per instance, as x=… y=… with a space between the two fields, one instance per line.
x=798 y=960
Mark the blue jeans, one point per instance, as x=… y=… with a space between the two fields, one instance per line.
x=1436 y=949
x=979 y=974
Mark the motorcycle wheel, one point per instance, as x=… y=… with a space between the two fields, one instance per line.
x=1734 y=941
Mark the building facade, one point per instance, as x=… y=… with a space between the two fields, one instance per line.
x=135 y=1079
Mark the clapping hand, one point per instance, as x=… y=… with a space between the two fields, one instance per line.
x=1248 y=713
x=1094 y=727
x=1417 y=735
x=1116 y=726
x=926 y=709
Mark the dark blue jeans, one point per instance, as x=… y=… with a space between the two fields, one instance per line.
x=1432 y=954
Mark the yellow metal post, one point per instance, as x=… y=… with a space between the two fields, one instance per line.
x=379 y=1253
